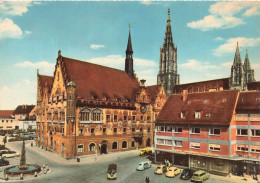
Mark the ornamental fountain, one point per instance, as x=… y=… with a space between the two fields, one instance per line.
x=23 y=168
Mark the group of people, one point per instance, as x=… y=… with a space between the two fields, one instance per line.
x=167 y=163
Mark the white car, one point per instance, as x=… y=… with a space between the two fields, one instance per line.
x=9 y=154
x=143 y=166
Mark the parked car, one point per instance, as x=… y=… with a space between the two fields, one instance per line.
x=112 y=171
x=143 y=166
x=145 y=151
x=200 y=176
x=172 y=172
x=161 y=169
x=186 y=174
x=3 y=162
x=9 y=154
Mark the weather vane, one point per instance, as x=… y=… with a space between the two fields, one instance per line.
x=129 y=25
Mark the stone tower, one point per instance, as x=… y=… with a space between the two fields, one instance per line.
x=71 y=108
x=248 y=72
x=129 y=66
x=237 y=72
x=168 y=74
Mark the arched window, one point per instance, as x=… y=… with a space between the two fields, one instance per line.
x=84 y=114
x=96 y=115
x=92 y=147
x=124 y=144
x=114 y=145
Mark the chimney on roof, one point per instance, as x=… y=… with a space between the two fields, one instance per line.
x=143 y=83
x=184 y=95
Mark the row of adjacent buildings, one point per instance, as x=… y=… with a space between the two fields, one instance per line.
x=86 y=109
x=23 y=118
x=218 y=131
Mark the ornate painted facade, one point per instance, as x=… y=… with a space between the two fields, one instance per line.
x=102 y=110
x=168 y=74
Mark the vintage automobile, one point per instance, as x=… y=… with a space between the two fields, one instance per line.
x=143 y=166
x=161 y=169
x=172 y=172
x=145 y=151
x=3 y=162
x=112 y=171
x=199 y=176
x=186 y=174
x=9 y=154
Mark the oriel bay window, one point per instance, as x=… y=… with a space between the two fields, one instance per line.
x=84 y=114
x=96 y=115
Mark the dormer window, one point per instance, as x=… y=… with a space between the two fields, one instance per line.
x=205 y=101
x=243 y=100
x=189 y=102
x=257 y=99
x=183 y=115
x=197 y=114
x=224 y=100
x=94 y=95
x=208 y=115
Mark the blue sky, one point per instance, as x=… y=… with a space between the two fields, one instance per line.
x=31 y=33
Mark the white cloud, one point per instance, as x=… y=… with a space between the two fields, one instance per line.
x=148 y=3
x=256 y=65
x=96 y=46
x=227 y=64
x=213 y=22
x=118 y=61
x=44 y=66
x=224 y=15
x=27 y=32
x=14 y=8
x=10 y=97
x=194 y=64
x=9 y=30
x=230 y=45
x=218 y=39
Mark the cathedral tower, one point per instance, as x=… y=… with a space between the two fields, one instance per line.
x=248 y=72
x=129 y=66
x=237 y=72
x=168 y=74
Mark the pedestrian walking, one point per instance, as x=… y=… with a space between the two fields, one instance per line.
x=147 y=179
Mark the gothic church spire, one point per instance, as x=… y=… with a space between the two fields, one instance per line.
x=129 y=66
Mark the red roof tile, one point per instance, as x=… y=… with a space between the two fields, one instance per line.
x=203 y=85
x=249 y=100
x=103 y=81
x=23 y=109
x=153 y=91
x=6 y=113
x=43 y=79
x=207 y=102
x=253 y=85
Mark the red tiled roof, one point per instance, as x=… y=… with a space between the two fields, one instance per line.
x=203 y=85
x=253 y=85
x=249 y=100
x=207 y=102
x=48 y=79
x=103 y=81
x=153 y=91
x=23 y=109
x=6 y=113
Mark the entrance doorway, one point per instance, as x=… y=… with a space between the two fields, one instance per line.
x=148 y=142
x=103 y=149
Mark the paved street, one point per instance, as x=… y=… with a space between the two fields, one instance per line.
x=95 y=172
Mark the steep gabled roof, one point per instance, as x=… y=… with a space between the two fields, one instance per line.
x=23 y=109
x=249 y=101
x=153 y=91
x=45 y=79
x=253 y=85
x=92 y=78
x=216 y=108
x=6 y=113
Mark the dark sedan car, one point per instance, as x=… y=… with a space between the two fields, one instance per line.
x=186 y=174
x=3 y=162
